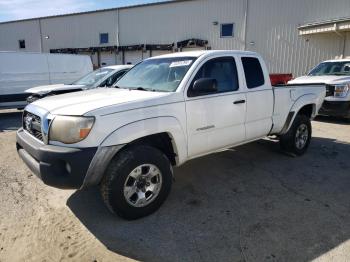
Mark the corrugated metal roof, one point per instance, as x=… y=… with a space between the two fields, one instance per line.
x=160 y=2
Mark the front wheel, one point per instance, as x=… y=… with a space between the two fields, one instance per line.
x=137 y=182
x=298 y=137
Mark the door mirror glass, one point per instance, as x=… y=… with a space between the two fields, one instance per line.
x=205 y=86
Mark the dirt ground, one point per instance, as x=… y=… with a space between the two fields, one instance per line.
x=251 y=203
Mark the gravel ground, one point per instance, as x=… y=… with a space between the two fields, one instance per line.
x=251 y=203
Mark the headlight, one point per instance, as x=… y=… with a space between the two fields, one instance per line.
x=70 y=129
x=341 y=90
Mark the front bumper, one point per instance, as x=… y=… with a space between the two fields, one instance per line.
x=56 y=166
x=335 y=108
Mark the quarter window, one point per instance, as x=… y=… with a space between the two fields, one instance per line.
x=223 y=70
x=254 y=75
x=104 y=38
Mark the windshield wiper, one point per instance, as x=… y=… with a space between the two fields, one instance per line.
x=142 y=89
x=120 y=87
x=339 y=74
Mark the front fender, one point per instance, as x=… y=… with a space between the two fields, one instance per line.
x=145 y=127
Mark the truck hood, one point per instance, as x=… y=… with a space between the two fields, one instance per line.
x=109 y=99
x=50 y=88
x=328 y=79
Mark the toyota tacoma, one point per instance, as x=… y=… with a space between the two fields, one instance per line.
x=165 y=111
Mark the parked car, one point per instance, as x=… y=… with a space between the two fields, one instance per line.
x=336 y=75
x=103 y=77
x=22 y=70
x=165 y=111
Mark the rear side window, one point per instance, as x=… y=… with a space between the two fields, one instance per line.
x=253 y=72
x=223 y=70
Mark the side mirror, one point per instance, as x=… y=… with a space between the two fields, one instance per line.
x=205 y=86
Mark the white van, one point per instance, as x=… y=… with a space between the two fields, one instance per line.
x=20 y=71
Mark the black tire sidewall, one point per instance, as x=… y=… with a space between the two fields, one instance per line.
x=299 y=120
x=118 y=172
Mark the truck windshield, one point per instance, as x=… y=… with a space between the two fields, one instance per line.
x=92 y=78
x=331 y=68
x=158 y=74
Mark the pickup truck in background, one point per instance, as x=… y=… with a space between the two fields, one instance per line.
x=103 y=77
x=335 y=74
x=22 y=70
x=163 y=112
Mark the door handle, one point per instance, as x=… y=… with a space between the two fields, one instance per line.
x=239 y=102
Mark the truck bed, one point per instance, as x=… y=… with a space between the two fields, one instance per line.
x=286 y=96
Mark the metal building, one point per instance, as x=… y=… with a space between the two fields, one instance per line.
x=292 y=36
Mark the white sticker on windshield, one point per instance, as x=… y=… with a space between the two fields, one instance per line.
x=181 y=63
x=102 y=73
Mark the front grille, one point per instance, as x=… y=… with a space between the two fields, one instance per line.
x=330 y=90
x=32 y=124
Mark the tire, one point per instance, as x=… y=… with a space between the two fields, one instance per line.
x=120 y=180
x=291 y=141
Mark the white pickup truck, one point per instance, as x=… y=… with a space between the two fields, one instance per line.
x=335 y=74
x=163 y=112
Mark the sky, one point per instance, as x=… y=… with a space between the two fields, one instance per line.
x=23 y=9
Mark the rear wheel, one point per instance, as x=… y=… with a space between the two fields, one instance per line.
x=298 y=138
x=137 y=182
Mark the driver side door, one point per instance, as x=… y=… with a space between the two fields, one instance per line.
x=216 y=120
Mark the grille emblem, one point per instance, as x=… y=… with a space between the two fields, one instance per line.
x=28 y=122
